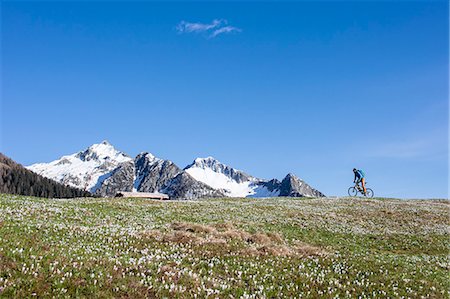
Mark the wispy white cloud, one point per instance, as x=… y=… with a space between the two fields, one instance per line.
x=213 y=29
x=187 y=27
x=226 y=29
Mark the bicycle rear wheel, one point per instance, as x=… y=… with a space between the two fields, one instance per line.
x=352 y=191
x=369 y=192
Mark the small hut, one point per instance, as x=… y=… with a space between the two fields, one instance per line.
x=148 y=195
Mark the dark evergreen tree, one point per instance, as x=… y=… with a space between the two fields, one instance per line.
x=16 y=179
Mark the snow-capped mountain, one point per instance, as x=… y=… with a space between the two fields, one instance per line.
x=86 y=169
x=214 y=165
x=232 y=182
x=235 y=183
x=105 y=171
x=146 y=173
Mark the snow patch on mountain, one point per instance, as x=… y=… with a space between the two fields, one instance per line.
x=221 y=181
x=83 y=169
x=262 y=191
x=101 y=152
x=233 y=182
x=104 y=171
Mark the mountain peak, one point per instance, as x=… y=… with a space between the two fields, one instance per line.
x=147 y=155
x=207 y=159
x=103 y=170
x=293 y=186
x=208 y=163
x=102 y=151
x=217 y=175
x=291 y=176
x=85 y=168
x=145 y=159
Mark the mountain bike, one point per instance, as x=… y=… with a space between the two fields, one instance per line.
x=353 y=191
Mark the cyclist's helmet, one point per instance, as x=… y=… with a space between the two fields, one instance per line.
x=354 y=169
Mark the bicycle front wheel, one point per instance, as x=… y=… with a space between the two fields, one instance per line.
x=369 y=192
x=352 y=191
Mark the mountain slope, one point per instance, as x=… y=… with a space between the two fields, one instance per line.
x=150 y=174
x=16 y=179
x=105 y=171
x=153 y=174
x=232 y=182
x=83 y=169
x=186 y=187
x=235 y=183
x=292 y=186
x=119 y=179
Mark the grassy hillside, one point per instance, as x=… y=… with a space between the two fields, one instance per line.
x=225 y=248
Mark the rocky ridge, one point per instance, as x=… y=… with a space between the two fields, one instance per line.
x=104 y=171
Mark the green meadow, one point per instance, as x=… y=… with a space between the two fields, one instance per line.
x=224 y=248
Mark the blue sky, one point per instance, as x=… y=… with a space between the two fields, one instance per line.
x=312 y=88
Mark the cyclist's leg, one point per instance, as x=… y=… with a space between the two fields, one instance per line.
x=363 y=183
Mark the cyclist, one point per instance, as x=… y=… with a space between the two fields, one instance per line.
x=359 y=177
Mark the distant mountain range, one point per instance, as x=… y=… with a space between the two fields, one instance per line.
x=104 y=171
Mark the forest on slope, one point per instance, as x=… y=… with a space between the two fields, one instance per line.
x=16 y=179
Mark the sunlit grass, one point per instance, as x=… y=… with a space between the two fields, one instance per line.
x=250 y=248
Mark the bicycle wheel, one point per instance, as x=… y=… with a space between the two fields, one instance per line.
x=352 y=191
x=369 y=192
